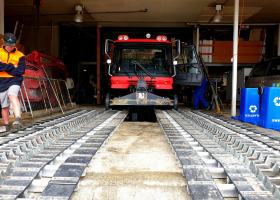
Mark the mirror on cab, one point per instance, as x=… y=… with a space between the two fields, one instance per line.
x=178 y=52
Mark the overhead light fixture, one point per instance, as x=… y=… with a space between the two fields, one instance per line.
x=79 y=8
x=218 y=16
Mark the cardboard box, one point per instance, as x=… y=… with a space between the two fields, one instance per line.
x=206 y=50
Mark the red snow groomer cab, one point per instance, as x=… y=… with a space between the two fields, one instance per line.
x=141 y=72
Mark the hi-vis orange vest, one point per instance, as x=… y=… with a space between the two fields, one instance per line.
x=12 y=57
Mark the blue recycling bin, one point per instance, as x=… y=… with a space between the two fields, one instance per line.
x=270 y=108
x=250 y=105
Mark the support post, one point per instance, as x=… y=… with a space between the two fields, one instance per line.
x=197 y=38
x=235 y=58
x=98 y=62
x=278 y=50
x=2 y=17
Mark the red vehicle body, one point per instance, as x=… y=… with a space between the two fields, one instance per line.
x=39 y=65
x=141 y=72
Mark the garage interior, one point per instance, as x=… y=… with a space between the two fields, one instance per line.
x=77 y=42
x=164 y=153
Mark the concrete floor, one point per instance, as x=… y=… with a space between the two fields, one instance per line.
x=135 y=164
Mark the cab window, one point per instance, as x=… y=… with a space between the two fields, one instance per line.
x=274 y=68
x=260 y=69
x=187 y=61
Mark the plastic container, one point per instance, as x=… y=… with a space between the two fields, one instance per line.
x=250 y=105
x=270 y=108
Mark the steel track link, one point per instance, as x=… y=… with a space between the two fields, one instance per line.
x=49 y=162
x=268 y=138
x=206 y=162
x=241 y=126
x=257 y=151
x=27 y=140
x=40 y=125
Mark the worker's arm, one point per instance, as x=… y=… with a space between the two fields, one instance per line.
x=11 y=69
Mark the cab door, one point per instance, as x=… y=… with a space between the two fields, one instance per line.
x=189 y=68
x=258 y=75
x=273 y=73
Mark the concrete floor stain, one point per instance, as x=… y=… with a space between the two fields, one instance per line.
x=136 y=163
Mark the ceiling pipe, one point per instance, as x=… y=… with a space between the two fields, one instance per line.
x=121 y=12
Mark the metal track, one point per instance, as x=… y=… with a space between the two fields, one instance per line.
x=211 y=154
x=220 y=159
x=260 y=151
x=47 y=160
x=39 y=125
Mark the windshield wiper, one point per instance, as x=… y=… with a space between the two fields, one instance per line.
x=134 y=62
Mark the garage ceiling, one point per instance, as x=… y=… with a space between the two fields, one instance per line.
x=132 y=12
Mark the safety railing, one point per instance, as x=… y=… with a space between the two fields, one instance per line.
x=44 y=94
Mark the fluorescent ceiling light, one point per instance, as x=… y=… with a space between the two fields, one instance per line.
x=79 y=8
x=218 y=16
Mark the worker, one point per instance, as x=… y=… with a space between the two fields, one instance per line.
x=12 y=67
x=199 y=95
x=92 y=91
